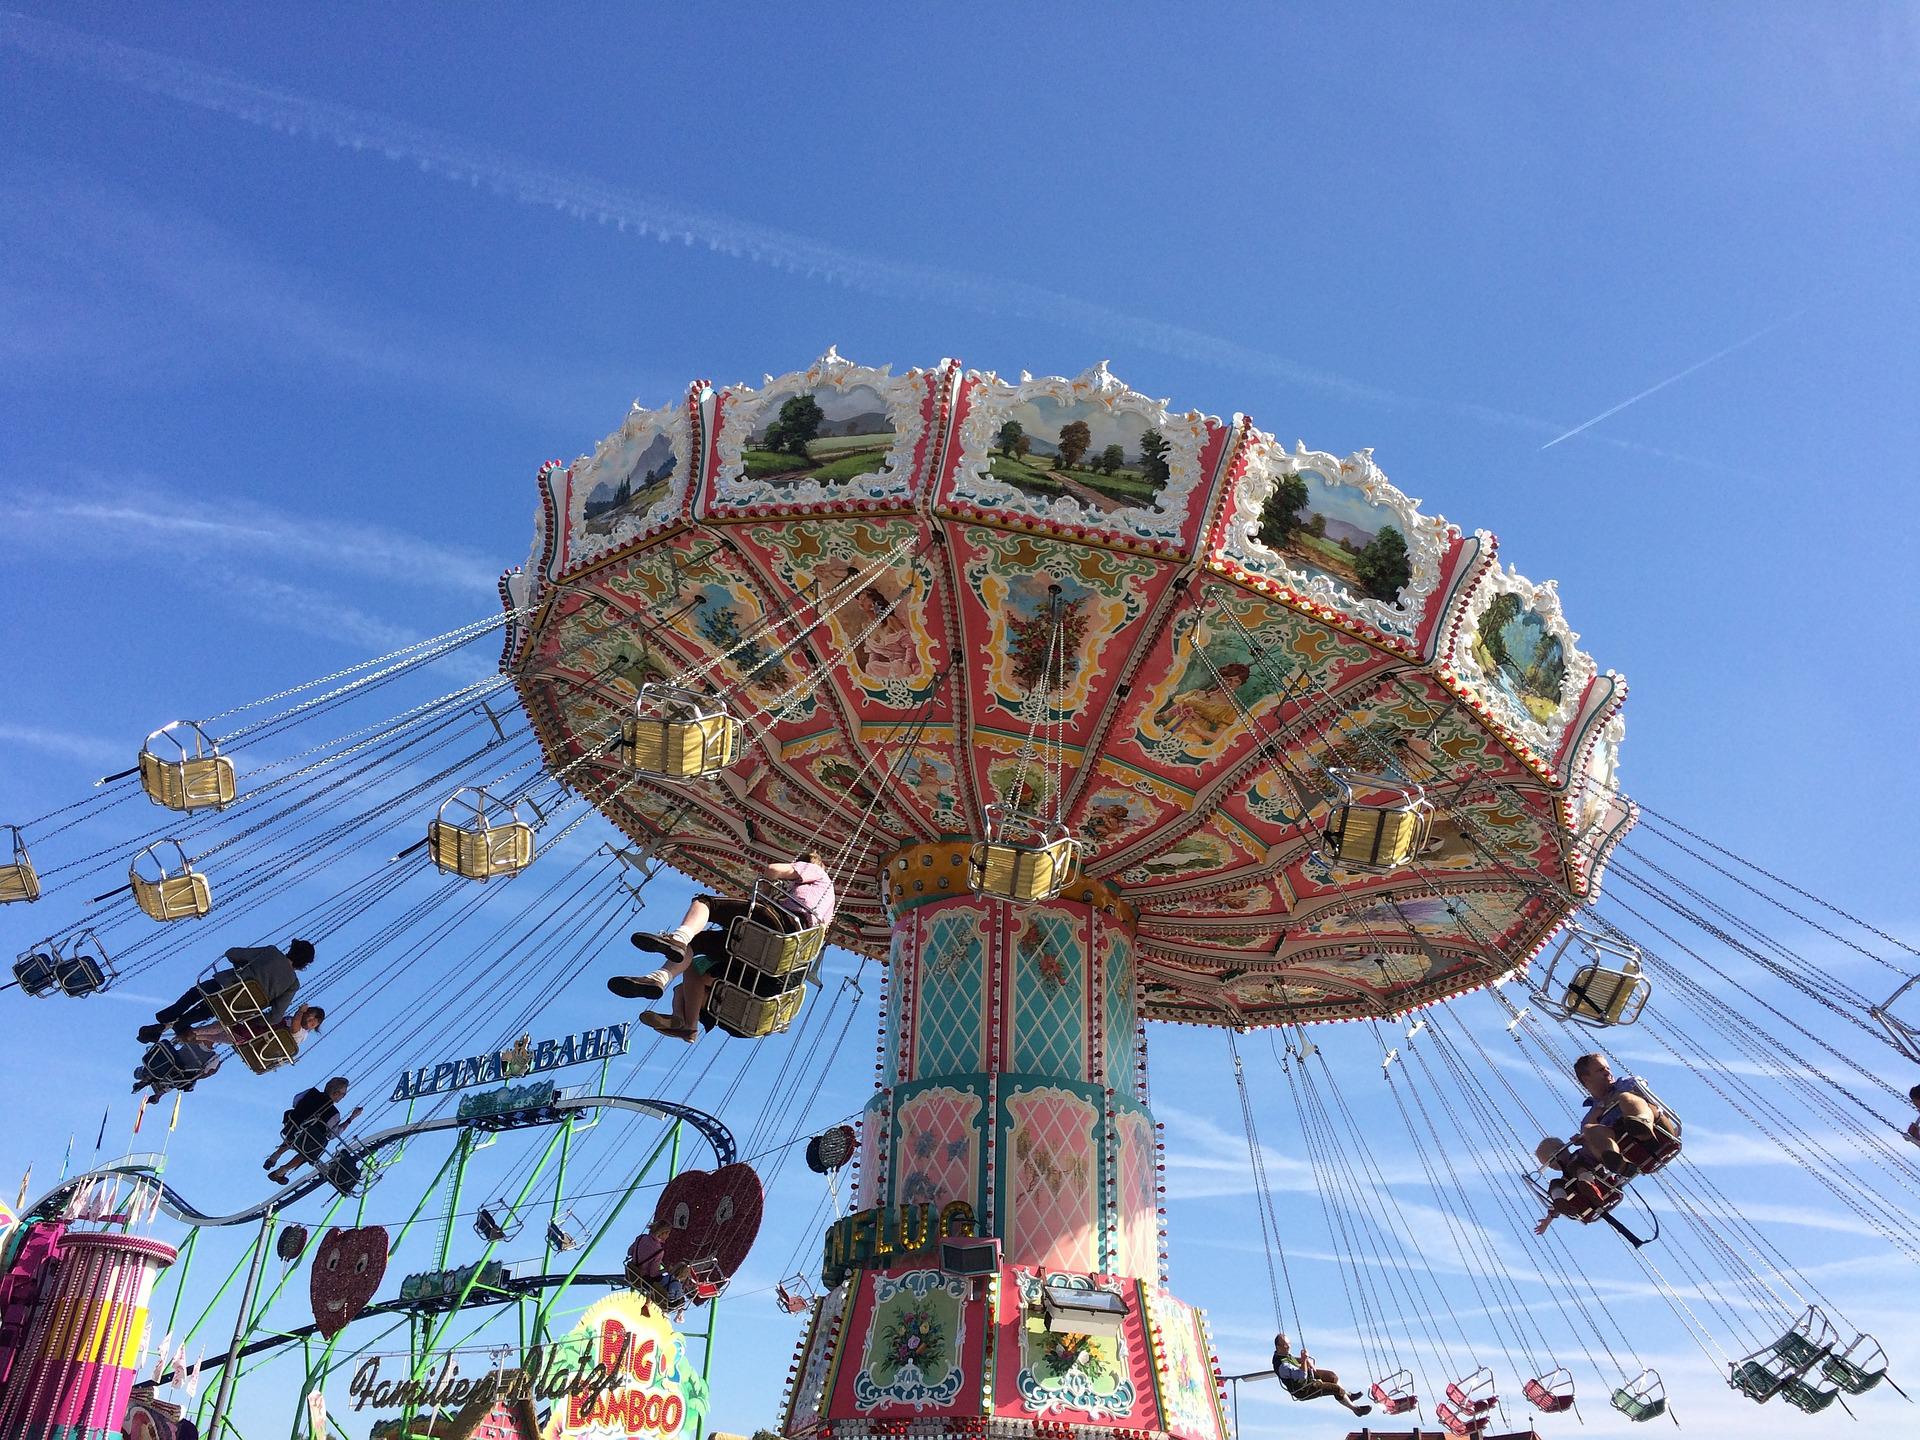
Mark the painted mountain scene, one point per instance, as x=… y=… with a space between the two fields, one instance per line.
x=825 y=434
x=1081 y=449
x=638 y=476
x=1334 y=530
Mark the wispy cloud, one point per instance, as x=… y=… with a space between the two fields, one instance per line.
x=314 y=612
x=140 y=512
x=592 y=200
x=1673 y=379
x=64 y=743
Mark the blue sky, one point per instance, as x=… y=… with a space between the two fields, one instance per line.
x=293 y=304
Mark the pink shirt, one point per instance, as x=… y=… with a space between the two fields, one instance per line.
x=812 y=893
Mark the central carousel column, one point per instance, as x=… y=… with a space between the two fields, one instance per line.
x=1010 y=1105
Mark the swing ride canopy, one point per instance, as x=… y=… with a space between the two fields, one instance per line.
x=870 y=571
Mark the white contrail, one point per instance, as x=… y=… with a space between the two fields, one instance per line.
x=587 y=198
x=1672 y=379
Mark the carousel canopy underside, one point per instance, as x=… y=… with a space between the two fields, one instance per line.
x=863 y=566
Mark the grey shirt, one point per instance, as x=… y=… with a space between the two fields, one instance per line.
x=269 y=968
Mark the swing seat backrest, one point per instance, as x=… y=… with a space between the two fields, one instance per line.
x=37 y=972
x=193 y=782
x=747 y=1002
x=681 y=749
x=1755 y=1380
x=1600 y=996
x=1456 y=1422
x=173 y=897
x=1854 y=1379
x=774 y=953
x=19 y=882
x=1375 y=839
x=482 y=852
x=81 y=974
x=1023 y=873
x=1638 y=1407
x=1549 y=1399
x=1394 y=1395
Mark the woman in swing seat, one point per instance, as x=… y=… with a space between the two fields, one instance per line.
x=1299 y=1379
x=699 y=943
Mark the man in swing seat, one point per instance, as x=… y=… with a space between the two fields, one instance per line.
x=1618 y=1110
x=695 y=948
x=272 y=969
x=1299 y=1379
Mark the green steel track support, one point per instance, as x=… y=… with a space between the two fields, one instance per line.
x=548 y=1305
x=317 y=1373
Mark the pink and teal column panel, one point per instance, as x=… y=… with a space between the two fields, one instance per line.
x=1011 y=1079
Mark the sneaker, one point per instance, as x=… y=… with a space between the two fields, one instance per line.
x=147 y=1034
x=1363 y=1409
x=278 y=1177
x=654 y=1020
x=665 y=945
x=639 y=987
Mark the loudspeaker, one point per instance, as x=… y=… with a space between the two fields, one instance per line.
x=971 y=1255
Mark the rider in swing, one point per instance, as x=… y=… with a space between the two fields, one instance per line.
x=698 y=944
x=1299 y=1378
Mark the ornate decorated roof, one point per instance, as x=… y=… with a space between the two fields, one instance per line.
x=861 y=563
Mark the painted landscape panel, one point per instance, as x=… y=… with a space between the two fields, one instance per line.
x=1330 y=529
x=824 y=435
x=636 y=479
x=1105 y=459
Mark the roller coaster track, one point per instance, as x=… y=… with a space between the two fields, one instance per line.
x=368 y=1148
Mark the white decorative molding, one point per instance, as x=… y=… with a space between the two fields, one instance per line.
x=993 y=401
x=1427 y=536
x=744 y=407
x=614 y=459
x=1542 y=736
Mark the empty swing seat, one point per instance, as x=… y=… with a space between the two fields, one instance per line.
x=705 y=1280
x=1395 y=1395
x=1810 y=1341
x=1755 y=1380
x=794 y=1295
x=1037 y=865
x=19 y=881
x=37 y=972
x=179 y=893
x=1858 y=1368
x=1552 y=1393
x=469 y=843
x=241 y=1010
x=192 y=779
x=1460 y=1422
x=1381 y=834
x=1642 y=1398
x=1598 y=996
x=1805 y=1396
x=679 y=734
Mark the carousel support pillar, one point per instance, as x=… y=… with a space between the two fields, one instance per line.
x=230 y=1371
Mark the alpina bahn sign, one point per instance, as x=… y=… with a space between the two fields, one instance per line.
x=521 y=1059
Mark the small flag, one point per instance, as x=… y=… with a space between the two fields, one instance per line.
x=25 y=1181
x=139 y=1114
x=101 y=1138
x=67 y=1159
x=174 y=1123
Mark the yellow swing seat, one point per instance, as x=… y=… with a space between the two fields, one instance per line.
x=171 y=894
x=751 y=1004
x=191 y=779
x=1607 y=986
x=1036 y=867
x=241 y=1010
x=19 y=881
x=472 y=842
x=678 y=734
x=1381 y=834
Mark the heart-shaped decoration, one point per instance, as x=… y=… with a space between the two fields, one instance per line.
x=347 y=1269
x=715 y=1214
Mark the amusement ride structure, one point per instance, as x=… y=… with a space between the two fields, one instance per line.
x=1098 y=713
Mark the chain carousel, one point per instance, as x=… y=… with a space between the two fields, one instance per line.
x=1108 y=714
